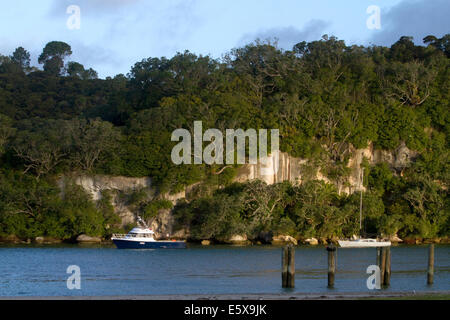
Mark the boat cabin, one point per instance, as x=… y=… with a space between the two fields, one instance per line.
x=136 y=234
x=140 y=233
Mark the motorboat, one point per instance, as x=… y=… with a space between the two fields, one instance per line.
x=142 y=238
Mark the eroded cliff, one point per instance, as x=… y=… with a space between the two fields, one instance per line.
x=276 y=168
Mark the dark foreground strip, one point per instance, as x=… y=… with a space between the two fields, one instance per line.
x=219 y=309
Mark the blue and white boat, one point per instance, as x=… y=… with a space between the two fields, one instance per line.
x=142 y=238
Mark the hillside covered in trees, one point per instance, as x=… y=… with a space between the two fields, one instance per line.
x=325 y=98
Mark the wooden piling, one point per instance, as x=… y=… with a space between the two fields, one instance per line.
x=383 y=264
x=430 y=274
x=291 y=267
x=331 y=265
x=387 y=271
x=288 y=267
x=284 y=267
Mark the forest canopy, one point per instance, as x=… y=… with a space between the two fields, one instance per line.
x=324 y=96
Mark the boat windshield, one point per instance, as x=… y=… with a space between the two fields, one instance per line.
x=139 y=235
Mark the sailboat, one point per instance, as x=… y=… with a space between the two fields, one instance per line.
x=362 y=242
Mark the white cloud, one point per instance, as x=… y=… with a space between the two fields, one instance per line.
x=289 y=36
x=413 y=18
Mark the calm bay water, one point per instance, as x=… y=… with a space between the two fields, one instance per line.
x=105 y=270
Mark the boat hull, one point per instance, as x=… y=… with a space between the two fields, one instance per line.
x=360 y=244
x=126 y=244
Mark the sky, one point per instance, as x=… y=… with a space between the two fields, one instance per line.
x=115 y=34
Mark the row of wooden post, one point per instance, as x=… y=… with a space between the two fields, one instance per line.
x=430 y=274
x=288 y=267
x=332 y=252
x=383 y=262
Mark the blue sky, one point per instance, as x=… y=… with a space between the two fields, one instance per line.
x=115 y=34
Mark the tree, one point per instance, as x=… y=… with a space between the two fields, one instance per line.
x=442 y=44
x=427 y=201
x=80 y=213
x=324 y=59
x=6 y=131
x=53 y=56
x=75 y=69
x=89 y=140
x=260 y=202
x=7 y=66
x=26 y=204
x=212 y=218
x=21 y=57
x=151 y=80
x=315 y=205
x=262 y=67
x=404 y=50
x=90 y=74
x=41 y=145
x=411 y=82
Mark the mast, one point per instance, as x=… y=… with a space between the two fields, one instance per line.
x=142 y=222
x=360 y=202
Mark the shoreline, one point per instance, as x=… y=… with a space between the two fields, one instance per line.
x=429 y=295
x=199 y=244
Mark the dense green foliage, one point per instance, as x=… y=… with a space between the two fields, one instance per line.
x=324 y=96
x=413 y=207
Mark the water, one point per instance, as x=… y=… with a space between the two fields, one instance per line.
x=105 y=270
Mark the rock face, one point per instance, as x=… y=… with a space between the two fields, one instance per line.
x=312 y=241
x=282 y=239
x=237 y=239
x=395 y=239
x=162 y=225
x=46 y=240
x=87 y=239
x=95 y=184
x=280 y=166
x=275 y=168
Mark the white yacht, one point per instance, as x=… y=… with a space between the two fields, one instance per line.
x=362 y=242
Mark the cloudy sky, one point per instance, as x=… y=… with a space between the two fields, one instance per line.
x=114 y=34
